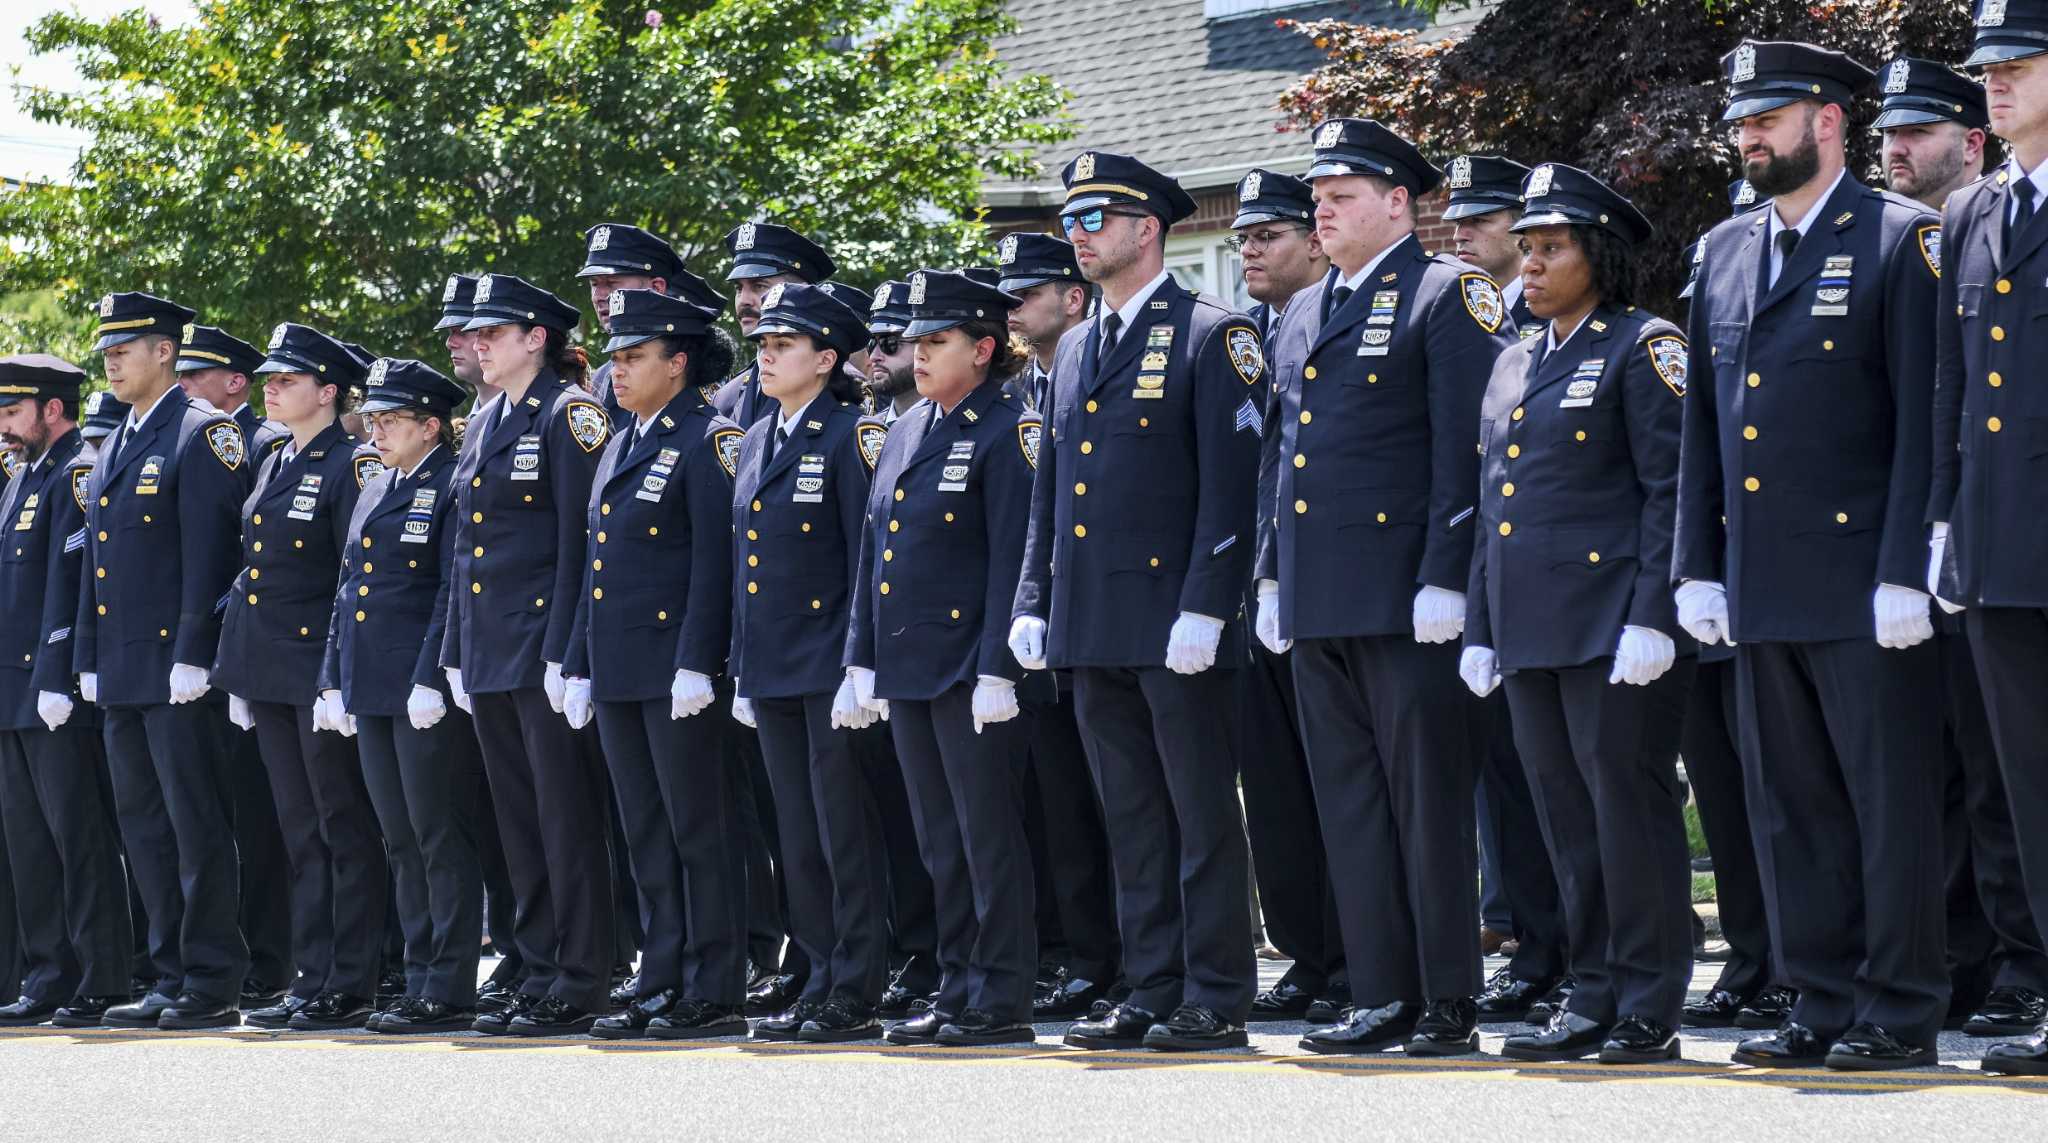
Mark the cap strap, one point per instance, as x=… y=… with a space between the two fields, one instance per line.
x=134 y=323
x=1113 y=188
x=220 y=357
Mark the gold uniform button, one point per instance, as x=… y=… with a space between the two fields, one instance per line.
x=1829 y=344
x=600 y=539
x=1300 y=507
x=1749 y=432
x=360 y=616
x=1091 y=406
x=540 y=603
x=256 y=519
x=103 y=502
x=1841 y=517
x=885 y=587
x=1080 y=531
x=653 y=531
x=476 y=589
x=949 y=517
x=753 y=561
x=163 y=632
x=661 y=617
x=1305 y=417
x=597 y=593
x=888 y=554
x=1998 y=333
x=956 y=613
x=597 y=565
x=257 y=546
x=100 y=573
x=1755 y=380
x=103 y=609
x=1579 y=436
x=753 y=588
x=1081 y=488
x=1995 y=380
x=752 y=534
x=305 y=631
x=1994 y=424
x=1506 y=529
x=367 y=568
x=816 y=604
x=474 y=518
x=1155 y=563
x=1300 y=461
x=478 y=552
x=1592 y=557
x=363 y=590
x=1752 y=483
x=604 y=509
x=806 y=526
x=757 y=505
x=103 y=537
x=894 y=526
x=1514 y=451
x=1508 y=489
x=2004 y=286
x=1309 y=373
x=1086 y=448
x=476 y=482
x=366 y=541
x=1372 y=378
x=1381 y=517
x=252 y=599
x=899 y=494
x=1518 y=413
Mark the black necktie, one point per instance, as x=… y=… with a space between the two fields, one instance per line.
x=1111 y=326
x=1788 y=241
x=1338 y=297
x=114 y=446
x=2023 y=210
x=780 y=439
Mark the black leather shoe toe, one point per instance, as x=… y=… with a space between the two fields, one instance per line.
x=193 y=1012
x=1194 y=1028
x=143 y=1013
x=785 y=1025
x=1366 y=1030
x=631 y=1022
x=1770 y=1008
x=332 y=1012
x=1569 y=1036
x=421 y=1016
x=1507 y=999
x=26 y=1012
x=2028 y=1057
x=1446 y=1028
x=921 y=1029
x=2008 y=1010
x=499 y=1023
x=553 y=1017
x=1284 y=1001
x=1640 y=1040
x=698 y=1020
x=86 y=1011
x=976 y=1028
x=1791 y=1045
x=841 y=1020
x=1869 y=1048
x=1124 y=1026
x=1717 y=1009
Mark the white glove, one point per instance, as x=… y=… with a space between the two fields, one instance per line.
x=89 y=686
x=995 y=699
x=689 y=693
x=335 y=718
x=320 y=720
x=1268 y=621
x=1191 y=645
x=54 y=709
x=455 y=690
x=188 y=683
x=743 y=711
x=1703 y=611
x=238 y=713
x=1642 y=656
x=424 y=708
x=576 y=704
x=1439 y=615
x=1902 y=616
x=847 y=711
x=1027 y=642
x=1480 y=668
x=551 y=682
x=864 y=690
x=1936 y=549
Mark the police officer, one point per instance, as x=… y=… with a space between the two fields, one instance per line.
x=1485 y=199
x=1371 y=433
x=1140 y=532
x=56 y=811
x=1578 y=489
x=1041 y=271
x=764 y=255
x=219 y=368
x=618 y=256
x=1985 y=552
x=520 y=486
x=273 y=637
x=892 y=390
x=1809 y=434
x=653 y=625
x=161 y=550
x=99 y=415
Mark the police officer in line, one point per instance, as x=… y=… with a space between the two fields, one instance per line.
x=1274 y=231
x=653 y=626
x=1570 y=601
x=892 y=390
x=1808 y=432
x=99 y=415
x=458 y=300
x=1053 y=297
x=1485 y=199
x=55 y=810
x=273 y=636
x=11 y=964
x=520 y=486
x=381 y=664
x=622 y=257
x=944 y=536
x=162 y=545
x=1141 y=530
x=764 y=255
x=803 y=481
x=1986 y=554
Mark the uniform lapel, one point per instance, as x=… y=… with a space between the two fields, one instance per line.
x=953 y=426
x=170 y=407
x=1814 y=247
x=1991 y=208
x=1587 y=343
x=1358 y=306
x=517 y=420
x=800 y=435
x=1131 y=340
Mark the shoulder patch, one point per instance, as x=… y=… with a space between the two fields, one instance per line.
x=1482 y=300
x=727 y=443
x=1668 y=357
x=870 y=437
x=1030 y=430
x=225 y=439
x=1245 y=355
x=80 y=477
x=367 y=468
x=589 y=425
x=1930 y=245
x=10 y=463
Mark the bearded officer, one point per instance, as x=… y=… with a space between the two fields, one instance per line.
x=764 y=255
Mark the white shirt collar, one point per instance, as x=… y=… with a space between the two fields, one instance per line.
x=1550 y=342
x=1357 y=281
x=1510 y=293
x=406 y=473
x=788 y=423
x=2039 y=177
x=1130 y=310
x=1805 y=225
x=135 y=423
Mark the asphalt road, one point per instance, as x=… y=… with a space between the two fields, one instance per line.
x=250 y=1084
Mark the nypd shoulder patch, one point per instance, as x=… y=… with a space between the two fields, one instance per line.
x=367 y=468
x=1030 y=431
x=1668 y=356
x=10 y=463
x=1930 y=246
x=1482 y=300
x=225 y=439
x=870 y=437
x=588 y=425
x=80 y=477
x=1245 y=355
x=727 y=444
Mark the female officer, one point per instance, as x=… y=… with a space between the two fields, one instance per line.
x=801 y=489
x=382 y=671
x=520 y=487
x=928 y=642
x=272 y=640
x=1572 y=603
x=653 y=625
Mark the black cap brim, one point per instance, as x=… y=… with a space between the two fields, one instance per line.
x=1758 y=104
x=1986 y=54
x=486 y=321
x=628 y=340
x=110 y=340
x=1261 y=217
x=925 y=327
x=380 y=405
x=1547 y=218
x=887 y=326
x=1012 y=285
x=18 y=398
x=764 y=328
x=1908 y=117
x=743 y=271
x=1458 y=210
x=451 y=321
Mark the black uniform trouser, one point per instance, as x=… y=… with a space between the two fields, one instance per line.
x=501 y=904
x=48 y=969
x=2010 y=647
x=832 y=863
x=629 y=909
x=1392 y=739
x=10 y=929
x=1527 y=877
x=171 y=795
x=967 y=799
x=1714 y=768
x=913 y=925
x=675 y=800
x=1070 y=847
x=265 y=911
x=68 y=792
x=1841 y=752
x=551 y=816
x=1602 y=765
x=428 y=789
x=767 y=897
x=1159 y=745
x=1288 y=860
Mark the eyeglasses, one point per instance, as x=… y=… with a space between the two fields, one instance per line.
x=886 y=344
x=1261 y=238
x=1091 y=221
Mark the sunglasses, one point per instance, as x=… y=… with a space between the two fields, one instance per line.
x=1261 y=238
x=886 y=344
x=1091 y=221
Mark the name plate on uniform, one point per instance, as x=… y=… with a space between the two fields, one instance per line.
x=526 y=458
x=306 y=497
x=1585 y=382
x=419 y=518
x=810 y=479
x=1374 y=342
x=651 y=487
x=1831 y=294
x=151 y=477
x=1151 y=386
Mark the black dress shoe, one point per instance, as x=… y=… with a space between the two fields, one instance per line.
x=1106 y=1003
x=784 y=1025
x=192 y=1011
x=390 y=986
x=976 y=1028
x=552 y=1016
x=1366 y=1030
x=1770 y=1008
x=2028 y=1057
x=420 y=1015
x=1332 y=1006
x=1447 y=1028
x=1640 y=1040
x=332 y=1012
x=25 y=1012
x=86 y=1011
x=2008 y=1010
x=278 y=1015
x=630 y=1022
x=1551 y=1003
x=1717 y=1009
x=1507 y=999
x=1123 y=1026
x=919 y=1029
x=1194 y=1028
x=1065 y=997
x=143 y=1013
x=257 y=995
x=839 y=1020
x=499 y=1023
x=1569 y=1036
x=1791 y=1045
x=494 y=996
x=392 y=1009
x=698 y=1020
x=625 y=991
x=1869 y=1048
x=897 y=1002
x=772 y=996
x=1284 y=1001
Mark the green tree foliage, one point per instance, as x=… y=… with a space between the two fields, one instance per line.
x=1628 y=89
x=332 y=162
